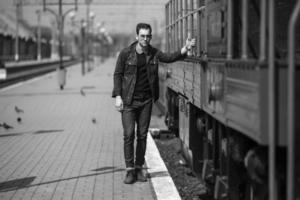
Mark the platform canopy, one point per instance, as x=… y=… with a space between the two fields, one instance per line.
x=8 y=27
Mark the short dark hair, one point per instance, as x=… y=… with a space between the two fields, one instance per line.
x=140 y=26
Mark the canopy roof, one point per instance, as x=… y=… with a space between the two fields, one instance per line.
x=8 y=27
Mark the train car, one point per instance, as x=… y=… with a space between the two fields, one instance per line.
x=234 y=101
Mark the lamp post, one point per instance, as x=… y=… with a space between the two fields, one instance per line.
x=87 y=32
x=18 y=6
x=38 y=12
x=90 y=32
x=82 y=31
x=82 y=25
x=60 y=16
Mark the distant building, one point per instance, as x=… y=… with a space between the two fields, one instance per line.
x=27 y=39
x=8 y=27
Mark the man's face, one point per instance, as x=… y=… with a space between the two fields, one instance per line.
x=144 y=37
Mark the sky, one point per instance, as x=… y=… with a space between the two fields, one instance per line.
x=116 y=16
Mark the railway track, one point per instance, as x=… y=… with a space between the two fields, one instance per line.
x=20 y=72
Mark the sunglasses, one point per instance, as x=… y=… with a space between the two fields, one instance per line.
x=146 y=36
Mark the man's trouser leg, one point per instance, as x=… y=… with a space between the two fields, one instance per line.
x=143 y=121
x=128 y=121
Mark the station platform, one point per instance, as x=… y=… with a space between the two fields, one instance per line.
x=68 y=144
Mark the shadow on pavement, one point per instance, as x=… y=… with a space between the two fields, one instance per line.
x=15 y=184
x=10 y=135
x=25 y=182
x=47 y=131
x=103 y=169
x=35 y=132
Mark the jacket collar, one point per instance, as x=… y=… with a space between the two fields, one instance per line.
x=133 y=56
x=133 y=46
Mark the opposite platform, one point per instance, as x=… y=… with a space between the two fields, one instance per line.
x=66 y=144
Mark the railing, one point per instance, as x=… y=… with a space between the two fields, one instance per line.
x=183 y=20
x=291 y=104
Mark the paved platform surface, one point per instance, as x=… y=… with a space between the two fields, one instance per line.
x=66 y=144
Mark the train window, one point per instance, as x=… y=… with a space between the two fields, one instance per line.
x=283 y=11
x=215 y=25
x=216 y=38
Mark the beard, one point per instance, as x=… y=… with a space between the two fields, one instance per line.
x=144 y=46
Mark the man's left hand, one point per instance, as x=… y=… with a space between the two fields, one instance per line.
x=189 y=43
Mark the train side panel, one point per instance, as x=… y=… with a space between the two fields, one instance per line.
x=218 y=99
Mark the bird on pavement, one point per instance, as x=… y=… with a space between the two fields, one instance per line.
x=82 y=92
x=18 y=110
x=19 y=119
x=6 y=126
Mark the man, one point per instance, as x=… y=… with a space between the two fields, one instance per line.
x=135 y=88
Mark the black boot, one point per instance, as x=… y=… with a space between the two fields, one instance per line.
x=130 y=177
x=140 y=175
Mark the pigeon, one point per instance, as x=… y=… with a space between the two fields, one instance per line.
x=82 y=92
x=19 y=119
x=18 y=110
x=6 y=126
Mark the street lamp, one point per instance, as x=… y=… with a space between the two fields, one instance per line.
x=38 y=12
x=90 y=33
x=82 y=25
x=60 y=16
x=87 y=30
x=89 y=15
x=82 y=31
x=18 y=4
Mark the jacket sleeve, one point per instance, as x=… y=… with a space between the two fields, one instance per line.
x=118 y=75
x=169 y=57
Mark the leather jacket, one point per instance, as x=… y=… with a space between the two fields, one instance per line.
x=126 y=71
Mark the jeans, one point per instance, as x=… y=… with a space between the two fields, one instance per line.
x=139 y=113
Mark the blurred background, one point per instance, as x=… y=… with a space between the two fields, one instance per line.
x=34 y=29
